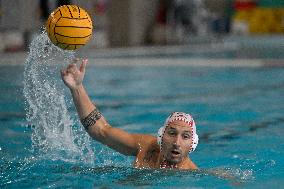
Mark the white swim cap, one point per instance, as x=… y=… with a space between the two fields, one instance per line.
x=179 y=116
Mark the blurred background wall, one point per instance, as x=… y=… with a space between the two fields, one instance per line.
x=146 y=22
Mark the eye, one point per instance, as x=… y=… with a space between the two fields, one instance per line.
x=186 y=136
x=171 y=133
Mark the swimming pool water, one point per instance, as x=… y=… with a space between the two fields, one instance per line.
x=238 y=112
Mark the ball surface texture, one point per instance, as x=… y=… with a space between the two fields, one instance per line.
x=69 y=27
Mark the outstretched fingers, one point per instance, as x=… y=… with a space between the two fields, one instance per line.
x=83 y=65
x=72 y=68
x=76 y=60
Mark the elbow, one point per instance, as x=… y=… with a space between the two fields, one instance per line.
x=99 y=132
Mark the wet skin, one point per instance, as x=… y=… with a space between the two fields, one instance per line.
x=176 y=144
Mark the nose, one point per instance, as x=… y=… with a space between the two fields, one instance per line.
x=177 y=141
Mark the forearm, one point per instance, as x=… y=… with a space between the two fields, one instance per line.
x=96 y=125
x=82 y=102
x=115 y=138
x=92 y=120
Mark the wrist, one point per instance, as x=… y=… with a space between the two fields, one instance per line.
x=77 y=89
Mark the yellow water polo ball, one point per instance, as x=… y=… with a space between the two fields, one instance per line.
x=69 y=27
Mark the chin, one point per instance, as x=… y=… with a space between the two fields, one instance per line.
x=174 y=160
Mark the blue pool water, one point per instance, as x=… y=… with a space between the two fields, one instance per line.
x=238 y=112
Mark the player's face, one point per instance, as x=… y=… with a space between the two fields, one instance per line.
x=176 y=142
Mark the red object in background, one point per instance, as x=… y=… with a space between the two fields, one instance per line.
x=244 y=4
x=100 y=7
x=161 y=16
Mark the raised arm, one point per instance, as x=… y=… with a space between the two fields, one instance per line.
x=93 y=121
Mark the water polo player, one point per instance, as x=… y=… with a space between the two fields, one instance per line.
x=170 y=149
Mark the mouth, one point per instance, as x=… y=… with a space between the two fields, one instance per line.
x=175 y=153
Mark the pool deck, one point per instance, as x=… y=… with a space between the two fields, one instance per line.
x=154 y=56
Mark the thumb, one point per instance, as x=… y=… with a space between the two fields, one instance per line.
x=63 y=73
x=83 y=65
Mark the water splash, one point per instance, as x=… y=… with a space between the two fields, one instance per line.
x=54 y=134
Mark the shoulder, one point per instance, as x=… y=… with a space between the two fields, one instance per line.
x=189 y=165
x=145 y=140
x=149 y=147
x=148 y=152
x=147 y=143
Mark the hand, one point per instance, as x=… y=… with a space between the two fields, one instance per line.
x=72 y=76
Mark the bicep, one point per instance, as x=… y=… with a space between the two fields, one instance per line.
x=116 y=138
x=122 y=141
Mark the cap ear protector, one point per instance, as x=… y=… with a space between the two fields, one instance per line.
x=160 y=135
x=194 y=143
x=181 y=117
